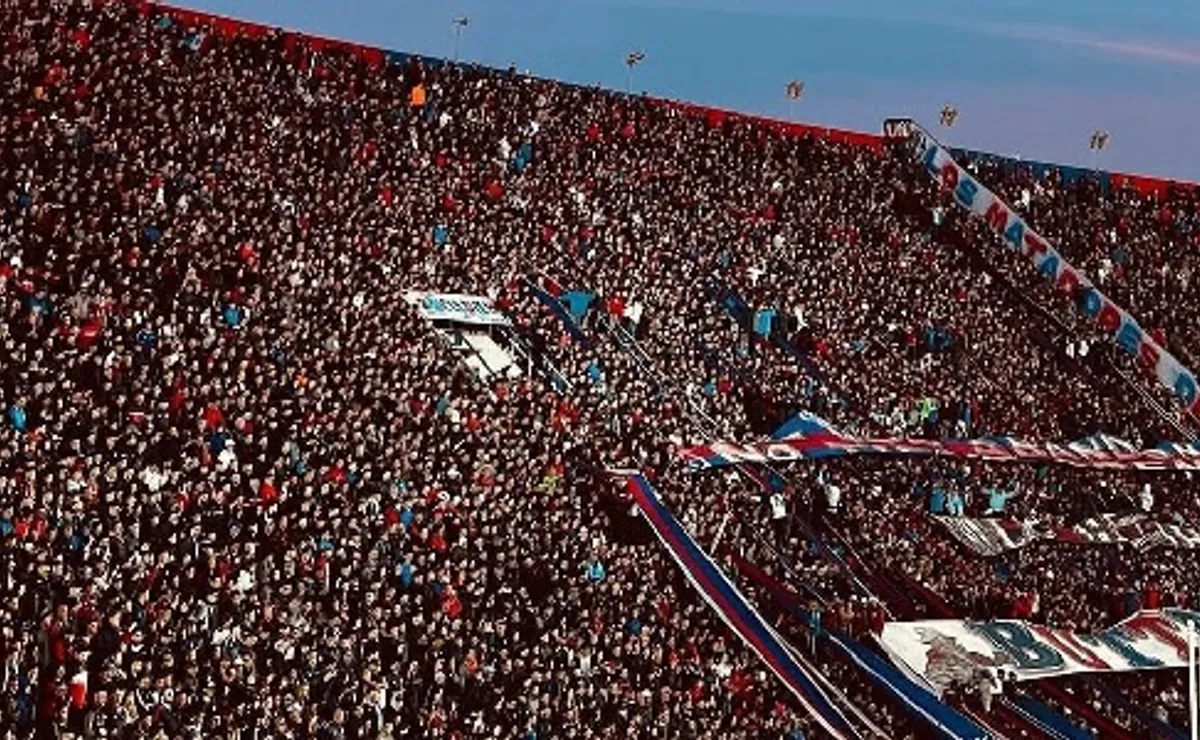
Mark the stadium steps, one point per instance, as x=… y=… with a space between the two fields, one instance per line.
x=895 y=597
x=956 y=240
x=921 y=704
x=1158 y=727
x=740 y=311
x=630 y=345
x=1105 y=726
x=1054 y=723
x=933 y=601
x=998 y=724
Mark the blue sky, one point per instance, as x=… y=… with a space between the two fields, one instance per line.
x=1030 y=77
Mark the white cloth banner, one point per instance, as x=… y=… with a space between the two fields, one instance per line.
x=1018 y=236
x=463 y=309
x=989 y=537
x=951 y=651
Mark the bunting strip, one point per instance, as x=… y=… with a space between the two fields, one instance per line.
x=811 y=438
x=990 y=537
x=733 y=608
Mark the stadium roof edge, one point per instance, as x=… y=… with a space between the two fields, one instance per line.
x=231 y=26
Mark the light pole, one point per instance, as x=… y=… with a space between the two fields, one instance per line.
x=460 y=23
x=1097 y=143
x=632 y=59
x=794 y=91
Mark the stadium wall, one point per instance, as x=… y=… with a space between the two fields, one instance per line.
x=230 y=28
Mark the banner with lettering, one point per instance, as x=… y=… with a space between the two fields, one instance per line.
x=898 y=128
x=462 y=309
x=990 y=537
x=1018 y=236
x=946 y=652
x=1139 y=530
x=813 y=443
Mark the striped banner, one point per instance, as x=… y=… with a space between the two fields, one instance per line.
x=812 y=443
x=733 y=608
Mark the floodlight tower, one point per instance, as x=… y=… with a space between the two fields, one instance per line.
x=632 y=59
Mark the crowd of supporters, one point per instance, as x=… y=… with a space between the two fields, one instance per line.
x=1136 y=246
x=245 y=490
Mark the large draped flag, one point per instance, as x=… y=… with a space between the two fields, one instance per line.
x=733 y=608
x=805 y=424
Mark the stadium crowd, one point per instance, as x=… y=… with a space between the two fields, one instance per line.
x=244 y=490
x=1135 y=245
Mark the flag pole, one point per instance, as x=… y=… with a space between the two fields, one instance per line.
x=721 y=531
x=1191 y=663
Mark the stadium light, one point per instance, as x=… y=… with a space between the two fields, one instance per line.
x=794 y=91
x=632 y=59
x=1097 y=143
x=948 y=115
x=460 y=23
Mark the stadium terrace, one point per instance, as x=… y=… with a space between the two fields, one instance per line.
x=351 y=393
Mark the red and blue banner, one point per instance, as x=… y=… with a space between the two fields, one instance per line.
x=1018 y=236
x=734 y=610
x=948 y=652
x=810 y=438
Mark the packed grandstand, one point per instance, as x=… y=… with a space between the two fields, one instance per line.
x=348 y=393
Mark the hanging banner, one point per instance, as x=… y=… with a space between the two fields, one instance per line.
x=1136 y=529
x=949 y=651
x=991 y=537
x=462 y=309
x=734 y=610
x=1018 y=236
x=813 y=443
